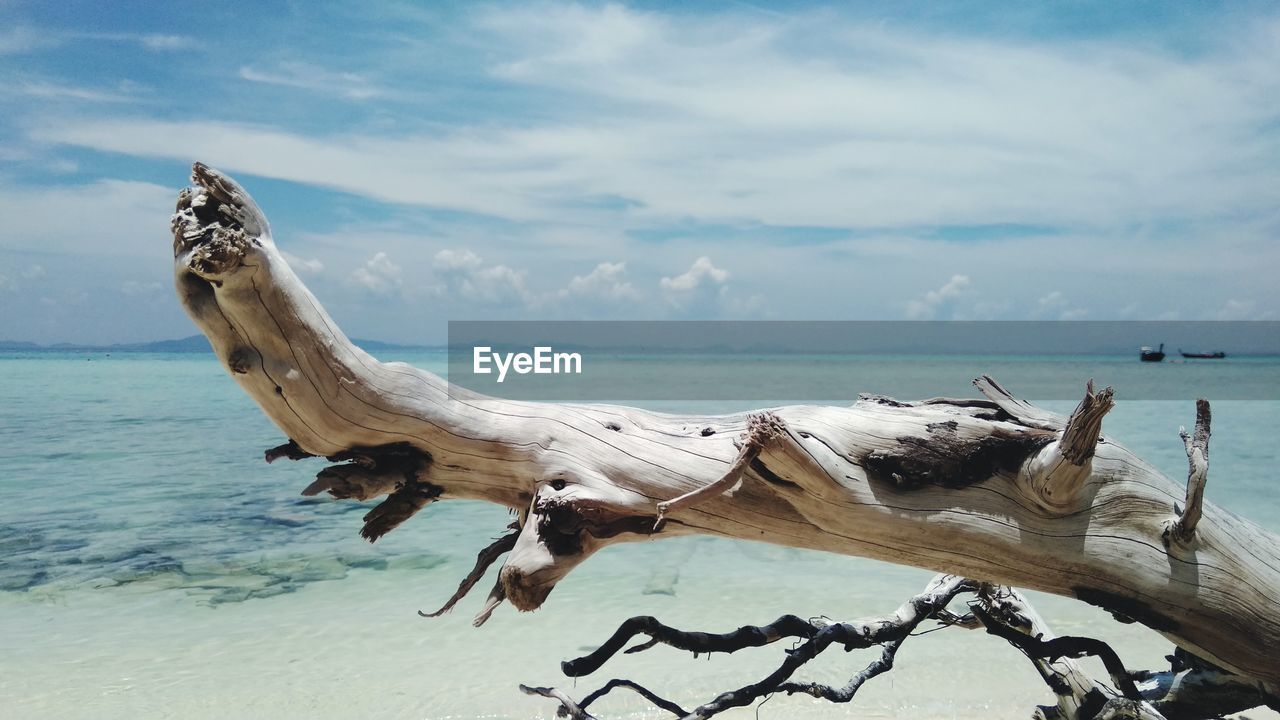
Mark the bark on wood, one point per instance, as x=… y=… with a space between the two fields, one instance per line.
x=970 y=487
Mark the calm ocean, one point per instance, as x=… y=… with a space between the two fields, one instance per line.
x=154 y=566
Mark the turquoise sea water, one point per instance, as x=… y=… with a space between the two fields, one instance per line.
x=151 y=565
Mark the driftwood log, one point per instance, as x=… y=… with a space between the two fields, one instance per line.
x=993 y=489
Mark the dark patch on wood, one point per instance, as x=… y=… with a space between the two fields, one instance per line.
x=882 y=400
x=194 y=290
x=613 y=426
x=381 y=456
x=559 y=525
x=398 y=507
x=769 y=476
x=210 y=212
x=1059 y=685
x=401 y=464
x=1183 y=660
x=945 y=426
x=707 y=432
x=280 y=391
x=353 y=481
x=1126 y=606
x=240 y=360
x=948 y=461
x=562 y=522
x=289 y=450
x=1094 y=700
x=634 y=524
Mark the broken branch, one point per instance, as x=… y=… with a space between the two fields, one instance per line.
x=1197 y=447
x=1059 y=647
x=1059 y=472
x=818 y=636
x=761 y=428
x=487 y=556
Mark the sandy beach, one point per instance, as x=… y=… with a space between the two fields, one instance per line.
x=355 y=648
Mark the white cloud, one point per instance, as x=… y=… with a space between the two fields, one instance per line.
x=606 y=282
x=115 y=217
x=1055 y=306
x=5 y=284
x=135 y=288
x=464 y=275
x=708 y=130
x=751 y=307
x=378 y=275
x=22 y=39
x=165 y=42
x=738 y=118
x=701 y=270
x=304 y=266
x=448 y=260
x=17 y=40
x=34 y=272
x=936 y=302
x=304 y=76
x=1235 y=309
x=45 y=90
x=156 y=42
x=1129 y=311
x=1052 y=302
x=64 y=166
x=698 y=287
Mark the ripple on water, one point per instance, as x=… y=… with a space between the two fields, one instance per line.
x=49 y=569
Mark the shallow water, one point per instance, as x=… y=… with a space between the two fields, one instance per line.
x=155 y=567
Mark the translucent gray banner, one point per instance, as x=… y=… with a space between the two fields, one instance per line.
x=819 y=361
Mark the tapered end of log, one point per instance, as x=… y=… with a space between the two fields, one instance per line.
x=225 y=195
x=217 y=228
x=215 y=224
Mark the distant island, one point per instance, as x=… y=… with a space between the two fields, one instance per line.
x=191 y=344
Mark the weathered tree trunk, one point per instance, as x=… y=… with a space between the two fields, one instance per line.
x=994 y=489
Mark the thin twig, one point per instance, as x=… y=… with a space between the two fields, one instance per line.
x=486 y=558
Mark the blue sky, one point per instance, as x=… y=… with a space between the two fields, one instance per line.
x=717 y=160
